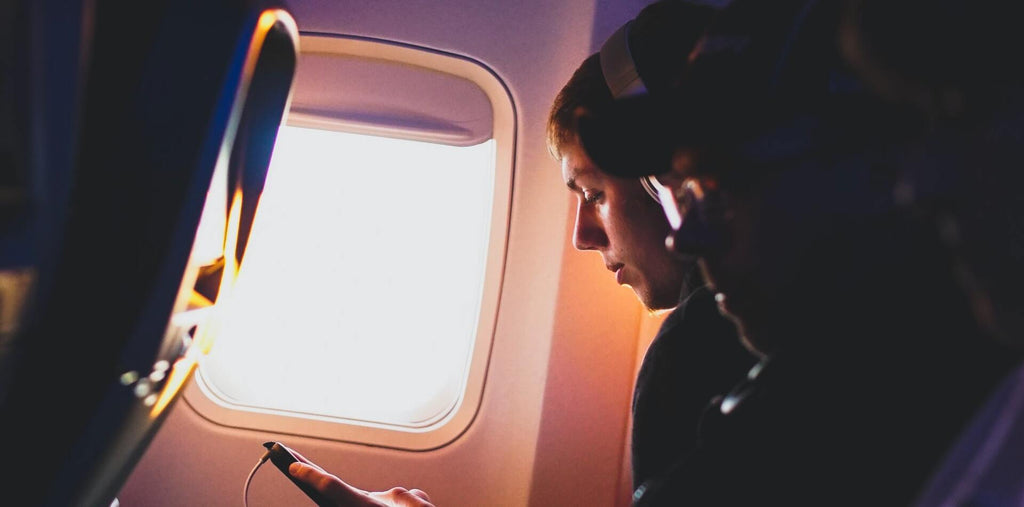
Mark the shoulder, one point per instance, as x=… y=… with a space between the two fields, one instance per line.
x=695 y=344
x=697 y=328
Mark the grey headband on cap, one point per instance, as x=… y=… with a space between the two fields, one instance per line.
x=617 y=65
x=622 y=78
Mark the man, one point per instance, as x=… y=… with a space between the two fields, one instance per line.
x=696 y=354
x=781 y=178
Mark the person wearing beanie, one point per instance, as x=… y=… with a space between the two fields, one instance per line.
x=696 y=353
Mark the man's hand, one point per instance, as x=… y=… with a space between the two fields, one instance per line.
x=344 y=495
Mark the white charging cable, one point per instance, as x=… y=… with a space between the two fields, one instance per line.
x=248 y=480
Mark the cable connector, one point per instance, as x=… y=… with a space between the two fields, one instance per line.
x=248 y=480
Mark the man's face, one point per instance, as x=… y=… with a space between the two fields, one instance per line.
x=616 y=217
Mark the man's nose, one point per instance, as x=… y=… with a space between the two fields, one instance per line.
x=588 y=233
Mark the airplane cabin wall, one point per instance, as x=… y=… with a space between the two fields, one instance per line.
x=553 y=422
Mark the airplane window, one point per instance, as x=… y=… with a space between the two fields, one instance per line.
x=363 y=277
x=365 y=307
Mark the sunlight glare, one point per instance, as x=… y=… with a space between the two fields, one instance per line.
x=361 y=287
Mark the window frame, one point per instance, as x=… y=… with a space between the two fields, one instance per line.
x=447 y=429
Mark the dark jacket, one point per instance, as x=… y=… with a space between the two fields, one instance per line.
x=695 y=356
x=869 y=389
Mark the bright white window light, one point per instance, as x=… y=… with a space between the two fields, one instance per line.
x=360 y=291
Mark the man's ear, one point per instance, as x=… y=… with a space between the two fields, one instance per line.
x=683 y=165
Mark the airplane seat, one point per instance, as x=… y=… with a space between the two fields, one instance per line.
x=135 y=139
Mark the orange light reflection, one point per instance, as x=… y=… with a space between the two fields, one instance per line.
x=201 y=344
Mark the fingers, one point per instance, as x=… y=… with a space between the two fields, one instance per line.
x=330 y=486
x=342 y=494
x=306 y=460
x=401 y=497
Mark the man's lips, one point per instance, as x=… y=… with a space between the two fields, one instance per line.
x=617 y=269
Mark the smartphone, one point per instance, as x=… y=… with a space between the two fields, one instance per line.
x=281 y=456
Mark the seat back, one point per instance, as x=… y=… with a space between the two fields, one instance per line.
x=139 y=119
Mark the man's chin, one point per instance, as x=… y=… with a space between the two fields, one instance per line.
x=657 y=311
x=655 y=303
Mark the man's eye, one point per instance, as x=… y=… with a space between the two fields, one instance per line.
x=592 y=197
